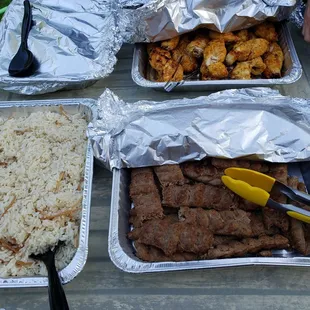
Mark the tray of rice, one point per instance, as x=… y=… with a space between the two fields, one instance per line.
x=46 y=166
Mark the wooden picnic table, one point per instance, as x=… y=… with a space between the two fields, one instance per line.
x=102 y=286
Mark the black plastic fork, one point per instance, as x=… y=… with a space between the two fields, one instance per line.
x=56 y=294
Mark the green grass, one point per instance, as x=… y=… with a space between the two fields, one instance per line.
x=3 y=4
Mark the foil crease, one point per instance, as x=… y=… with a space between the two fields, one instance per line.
x=74 y=41
x=156 y=20
x=297 y=16
x=255 y=123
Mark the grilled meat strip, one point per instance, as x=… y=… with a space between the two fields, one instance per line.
x=249 y=245
x=198 y=195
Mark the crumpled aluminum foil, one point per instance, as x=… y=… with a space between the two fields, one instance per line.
x=297 y=16
x=257 y=123
x=156 y=20
x=74 y=41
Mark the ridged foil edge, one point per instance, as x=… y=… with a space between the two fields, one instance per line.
x=79 y=260
x=156 y=20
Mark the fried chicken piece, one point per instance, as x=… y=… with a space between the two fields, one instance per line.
x=214 y=52
x=198 y=195
x=242 y=71
x=170 y=44
x=251 y=36
x=227 y=163
x=158 y=58
x=215 y=71
x=266 y=31
x=243 y=35
x=150 y=47
x=180 y=55
x=202 y=172
x=274 y=61
x=173 y=237
x=169 y=174
x=257 y=66
x=227 y=37
x=152 y=254
x=172 y=71
x=196 y=47
x=248 y=50
x=245 y=246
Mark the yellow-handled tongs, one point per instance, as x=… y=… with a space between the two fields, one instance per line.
x=256 y=187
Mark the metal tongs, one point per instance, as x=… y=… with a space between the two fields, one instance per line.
x=256 y=187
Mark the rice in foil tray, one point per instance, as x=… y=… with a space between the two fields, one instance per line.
x=41 y=168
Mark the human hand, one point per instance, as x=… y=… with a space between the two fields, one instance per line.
x=306 y=25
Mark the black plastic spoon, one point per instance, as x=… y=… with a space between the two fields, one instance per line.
x=22 y=64
x=56 y=294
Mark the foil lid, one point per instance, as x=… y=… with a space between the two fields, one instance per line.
x=256 y=123
x=297 y=16
x=74 y=41
x=156 y=20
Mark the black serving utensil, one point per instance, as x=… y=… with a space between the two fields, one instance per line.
x=57 y=297
x=23 y=63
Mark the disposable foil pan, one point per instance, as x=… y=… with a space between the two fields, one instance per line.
x=121 y=249
x=87 y=108
x=143 y=74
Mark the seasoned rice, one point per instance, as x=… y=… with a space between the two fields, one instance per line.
x=42 y=160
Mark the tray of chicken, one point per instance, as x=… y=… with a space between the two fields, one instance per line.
x=207 y=60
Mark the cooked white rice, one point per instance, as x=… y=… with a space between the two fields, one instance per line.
x=42 y=160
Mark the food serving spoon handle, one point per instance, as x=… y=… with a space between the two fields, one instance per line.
x=57 y=297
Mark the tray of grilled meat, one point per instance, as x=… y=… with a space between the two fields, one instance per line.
x=263 y=55
x=177 y=217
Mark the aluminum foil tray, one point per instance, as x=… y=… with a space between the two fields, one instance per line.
x=121 y=249
x=87 y=108
x=143 y=74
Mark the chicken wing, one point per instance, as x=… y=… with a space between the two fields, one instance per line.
x=227 y=37
x=158 y=58
x=242 y=71
x=257 y=66
x=216 y=71
x=171 y=44
x=214 y=52
x=172 y=71
x=179 y=54
x=266 y=31
x=247 y=50
x=243 y=35
x=274 y=61
x=197 y=46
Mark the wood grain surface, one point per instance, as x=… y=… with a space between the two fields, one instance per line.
x=102 y=286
